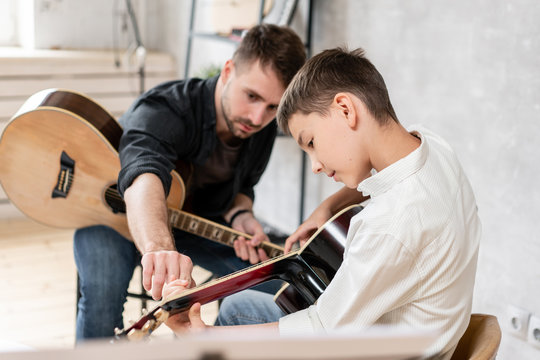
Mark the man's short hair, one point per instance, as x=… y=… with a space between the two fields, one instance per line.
x=332 y=71
x=276 y=46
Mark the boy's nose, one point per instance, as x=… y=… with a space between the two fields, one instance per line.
x=316 y=166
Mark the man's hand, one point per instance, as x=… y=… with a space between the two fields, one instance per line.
x=165 y=266
x=245 y=249
x=188 y=320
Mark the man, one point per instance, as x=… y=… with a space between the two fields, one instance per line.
x=223 y=128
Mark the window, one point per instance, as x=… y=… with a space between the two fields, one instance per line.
x=8 y=23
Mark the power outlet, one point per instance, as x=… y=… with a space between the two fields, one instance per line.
x=533 y=334
x=518 y=321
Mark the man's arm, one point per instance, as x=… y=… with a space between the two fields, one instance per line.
x=147 y=216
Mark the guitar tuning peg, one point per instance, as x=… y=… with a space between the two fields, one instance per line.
x=144 y=311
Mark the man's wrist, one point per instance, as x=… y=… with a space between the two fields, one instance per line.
x=237 y=213
x=159 y=246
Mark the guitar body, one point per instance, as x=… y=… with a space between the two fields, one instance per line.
x=59 y=163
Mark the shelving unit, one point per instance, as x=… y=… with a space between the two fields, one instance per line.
x=281 y=13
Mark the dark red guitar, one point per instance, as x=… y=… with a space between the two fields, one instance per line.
x=309 y=270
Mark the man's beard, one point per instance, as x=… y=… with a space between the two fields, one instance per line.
x=230 y=122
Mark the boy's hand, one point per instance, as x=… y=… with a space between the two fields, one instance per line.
x=245 y=249
x=187 y=321
x=304 y=232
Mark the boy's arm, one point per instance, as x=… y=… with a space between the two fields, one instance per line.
x=191 y=321
x=328 y=208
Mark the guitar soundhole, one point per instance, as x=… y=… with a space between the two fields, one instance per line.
x=114 y=200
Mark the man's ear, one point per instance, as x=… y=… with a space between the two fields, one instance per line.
x=346 y=108
x=227 y=70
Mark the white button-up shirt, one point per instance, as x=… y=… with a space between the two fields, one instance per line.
x=410 y=257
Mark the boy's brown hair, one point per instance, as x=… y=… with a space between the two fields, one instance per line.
x=332 y=71
x=277 y=46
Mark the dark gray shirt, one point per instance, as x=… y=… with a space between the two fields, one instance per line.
x=176 y=121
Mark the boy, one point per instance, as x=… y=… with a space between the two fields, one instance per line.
x=410 y=256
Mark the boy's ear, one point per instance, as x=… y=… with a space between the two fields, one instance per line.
x=346 y=108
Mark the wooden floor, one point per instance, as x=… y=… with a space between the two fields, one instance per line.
x=38 y=287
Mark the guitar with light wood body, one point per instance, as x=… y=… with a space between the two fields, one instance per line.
x=59 y=165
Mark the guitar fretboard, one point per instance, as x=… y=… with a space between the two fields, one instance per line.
x=214 y=231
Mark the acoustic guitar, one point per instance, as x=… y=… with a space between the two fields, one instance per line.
x=59 y=165
x=308 y=270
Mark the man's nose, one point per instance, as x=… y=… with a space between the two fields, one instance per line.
x=257 y=115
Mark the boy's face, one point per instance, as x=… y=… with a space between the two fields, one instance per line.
x=250 y=98
x=332 y=146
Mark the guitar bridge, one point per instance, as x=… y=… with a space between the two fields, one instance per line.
x=65 y=176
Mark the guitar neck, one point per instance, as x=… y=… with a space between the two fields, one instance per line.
x=214 y=231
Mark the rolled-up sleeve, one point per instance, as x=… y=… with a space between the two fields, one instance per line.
x=301 y=322
x=148 y=142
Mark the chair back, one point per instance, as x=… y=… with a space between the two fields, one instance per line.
x=481 y=340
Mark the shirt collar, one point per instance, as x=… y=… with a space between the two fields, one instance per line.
x=382 y=181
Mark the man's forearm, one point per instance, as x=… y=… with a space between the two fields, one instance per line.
x=147 y=215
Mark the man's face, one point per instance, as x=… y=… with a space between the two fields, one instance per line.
x=250 y=99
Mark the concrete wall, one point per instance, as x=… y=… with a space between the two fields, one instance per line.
x=467 y=69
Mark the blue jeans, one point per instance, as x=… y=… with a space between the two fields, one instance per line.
x=106 y=260
x=247 y=308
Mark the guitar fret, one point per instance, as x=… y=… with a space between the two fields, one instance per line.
x=182 y=224
x=215 y=232
x=231 y=238
x=206 y=230
x=173 y=218
x=194 y=226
